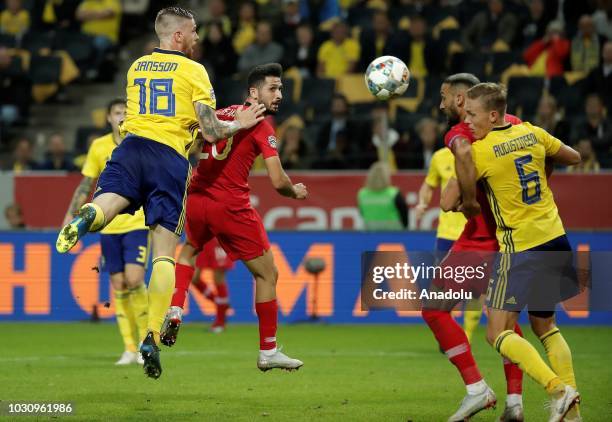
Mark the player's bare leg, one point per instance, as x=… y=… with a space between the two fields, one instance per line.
x=456 y=347
x=161 y=287
x=92 y=216
x=184 y=276
x=266 y=275
x=517 y=349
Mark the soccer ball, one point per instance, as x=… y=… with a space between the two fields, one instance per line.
x=387 y=77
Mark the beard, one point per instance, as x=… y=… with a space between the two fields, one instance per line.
x=269 y=111
x=452 y=118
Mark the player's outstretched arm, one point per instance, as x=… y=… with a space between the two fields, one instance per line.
x=282 y=182
x=566 y=156
x=425 y=194
x=450 y=198
x=79 y=197
x=214 y=129
x=466 y=176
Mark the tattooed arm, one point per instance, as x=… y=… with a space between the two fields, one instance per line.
x=214 y=129
x=81 y=193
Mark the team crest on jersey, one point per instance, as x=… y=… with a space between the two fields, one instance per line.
x=272 y=141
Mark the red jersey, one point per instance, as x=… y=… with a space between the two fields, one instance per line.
x=481 y=228
x=223 y=169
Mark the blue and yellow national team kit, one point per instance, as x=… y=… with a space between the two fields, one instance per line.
x=510 y=163
x=150 y=167
x=125 y=239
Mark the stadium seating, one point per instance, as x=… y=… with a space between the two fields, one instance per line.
x=524 y=94
x=317 y=95
x=34 y=42
x=45 y=69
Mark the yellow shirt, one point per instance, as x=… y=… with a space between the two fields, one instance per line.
x=337 y=57
x=15 y=24
x=97 y=156
x=161 y=91
x=510 y=161
x=244 y=36
x=108 y=27
x=417 y=64
x=441 y=170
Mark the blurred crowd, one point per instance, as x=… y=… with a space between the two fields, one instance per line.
x=554 y=55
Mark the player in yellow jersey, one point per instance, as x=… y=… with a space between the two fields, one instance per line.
x=510 y=163
x=124 y=243
x=169 y=97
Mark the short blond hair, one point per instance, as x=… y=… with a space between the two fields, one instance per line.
x=166 y=16
x=379 y=176
x=492 y=96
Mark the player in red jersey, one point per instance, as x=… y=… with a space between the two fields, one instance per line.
x=476 y=245
x=218 y=206
x=213 y=257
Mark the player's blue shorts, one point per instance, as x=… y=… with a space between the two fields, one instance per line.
x=538 y=278
x=442 y=247
x=152 y=175
x=125 y=248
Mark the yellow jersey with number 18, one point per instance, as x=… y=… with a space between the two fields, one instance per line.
x=510 y=162
x=97 y=156
x=161 y=90
x=441 y=170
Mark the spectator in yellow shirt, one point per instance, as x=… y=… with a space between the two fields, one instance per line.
x=244 y=34
x=339 y=55
x=14 y=20
x=101 y=20
x=23 y=156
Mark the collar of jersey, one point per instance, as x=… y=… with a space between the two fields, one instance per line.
x=502 y=127
x=159 y=50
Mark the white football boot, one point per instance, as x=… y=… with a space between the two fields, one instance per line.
x=127 y=358
x=265 y=362
x=474 y=403
x=561 y=405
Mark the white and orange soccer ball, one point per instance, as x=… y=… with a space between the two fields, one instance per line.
x=387 y=77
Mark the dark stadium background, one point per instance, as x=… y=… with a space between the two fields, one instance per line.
x=57 y=77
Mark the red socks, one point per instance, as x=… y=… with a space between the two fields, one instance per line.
x=222 y=304
x=184 y=274
x=514 y=375
x=267 y=312
x=205 y=290
x=454 y=343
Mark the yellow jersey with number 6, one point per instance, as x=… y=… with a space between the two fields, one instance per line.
x=510 y=162
x=97 y=156
x=161 y=90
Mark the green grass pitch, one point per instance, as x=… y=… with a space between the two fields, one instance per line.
x=356 y=373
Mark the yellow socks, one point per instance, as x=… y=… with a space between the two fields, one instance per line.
x=140 y=308
x=125 y=319
x=520 y=351
x=559 y=356
x=161 y=288
x=99 y=220
x=471 y=317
